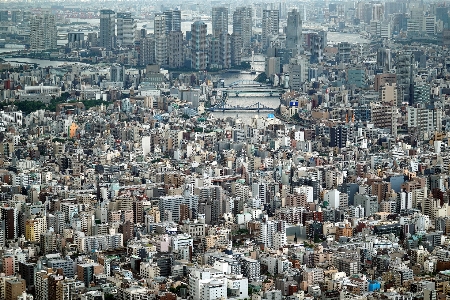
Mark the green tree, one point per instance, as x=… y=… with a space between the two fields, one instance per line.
x=262 y=78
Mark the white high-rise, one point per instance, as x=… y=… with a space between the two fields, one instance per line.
x=207 y=284
x=126 y=29
x=43 y=33
x=273 y=233
x=270 y=26
x=160 y=40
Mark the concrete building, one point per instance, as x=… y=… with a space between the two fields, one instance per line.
x=126 y=30
x=199 y=46
x=219 y=20
x=161 y=44
x=175 y=49
x=270 y=26
x=14 y=288
x=107 y=38
x=173 y=20
x=294 y=38
x=242 y=26
x=43 y=32
x=389 y=95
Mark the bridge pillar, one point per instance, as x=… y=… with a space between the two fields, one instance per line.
x=258 y=107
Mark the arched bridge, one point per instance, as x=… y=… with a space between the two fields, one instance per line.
x=223 y=106
x=246 y=87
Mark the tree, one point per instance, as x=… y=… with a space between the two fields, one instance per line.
x=262 y=78
x=109 y=296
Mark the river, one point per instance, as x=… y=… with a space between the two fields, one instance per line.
x=228 y=77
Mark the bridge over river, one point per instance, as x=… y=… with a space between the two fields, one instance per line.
x=245 y=89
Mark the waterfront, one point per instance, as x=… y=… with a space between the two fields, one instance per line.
x=228 y=77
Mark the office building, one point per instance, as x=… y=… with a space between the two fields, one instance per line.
x=107 y=37
x=43 y=33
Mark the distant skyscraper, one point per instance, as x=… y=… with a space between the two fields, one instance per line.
x=270 y=26
x=294 y=39
x=199 y=51
x=405 y=75
x=173 y=20
x=242 y=26
x=43 y=34
x=219 y=20
x=160 y=39
x=107 y=29
x=126 y=29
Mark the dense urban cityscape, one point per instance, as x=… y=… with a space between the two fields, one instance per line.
x=168 y=150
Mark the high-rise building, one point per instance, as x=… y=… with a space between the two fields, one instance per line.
x=172 y=20
x=219 y=20
x=242 y=26
x=236 y=49
x=86 y=272
x=43 y=33
x=10 y=222
x=27 y=271
x=405 y=74
x=147 y=51
x=126 y=29
x=34 y=228
x=220 y=51
x=175 y=49
x=270 y=26
x=48 y=242
x=206 y=285
x=117 y=73
x=160 y=39
x=294 y=40
x=172 y=203
x=107 y=29
x=268 y=230
x=199 y=47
